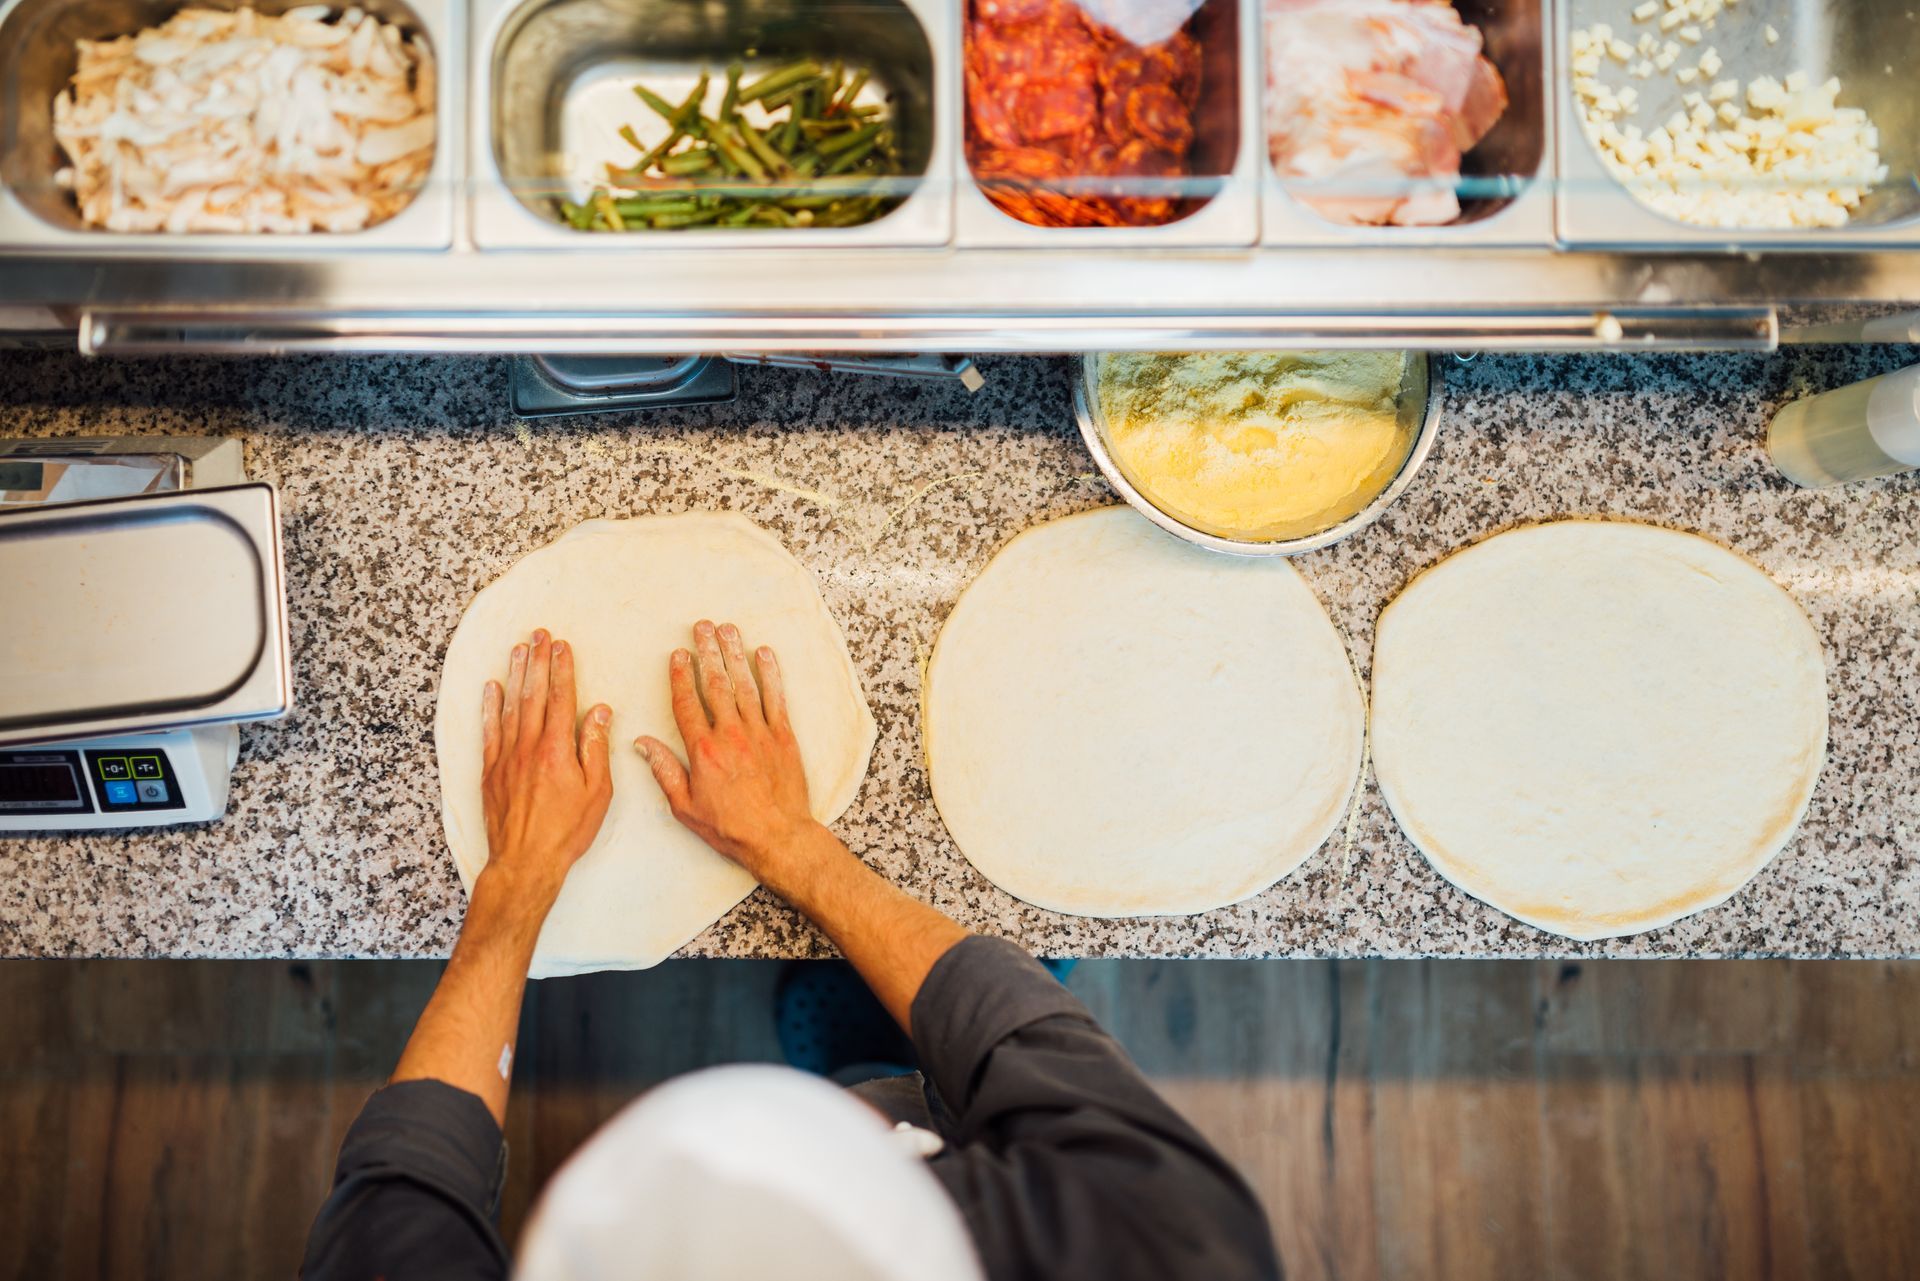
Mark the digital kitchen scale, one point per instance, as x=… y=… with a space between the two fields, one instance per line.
x=145 y=619
x=131 y=780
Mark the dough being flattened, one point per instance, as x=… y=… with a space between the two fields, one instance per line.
x=1120 y=724
x=624 y=594
x=1598 y=727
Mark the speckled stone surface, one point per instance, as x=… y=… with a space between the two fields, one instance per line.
x=407 y=486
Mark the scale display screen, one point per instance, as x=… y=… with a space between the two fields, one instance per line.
x=22 y=477
x=44 y=782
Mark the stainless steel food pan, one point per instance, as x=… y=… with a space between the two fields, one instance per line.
x=1872 y=45
x=37 y=59
x=1228 y=153
x=129 y=614
x=532 y=58
x=1419 y=403
x=1506 y=189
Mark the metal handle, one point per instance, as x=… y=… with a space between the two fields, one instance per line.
x=939 y=368
x=160 y=332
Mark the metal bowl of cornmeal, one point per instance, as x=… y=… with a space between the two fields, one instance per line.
x=1269 y=453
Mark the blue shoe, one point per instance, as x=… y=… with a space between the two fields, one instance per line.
x=829 y=1022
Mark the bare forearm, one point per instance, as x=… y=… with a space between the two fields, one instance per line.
x=744 y=791
x=891 y=939
x=465 y=1036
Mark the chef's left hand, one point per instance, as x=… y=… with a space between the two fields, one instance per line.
x=544 y=785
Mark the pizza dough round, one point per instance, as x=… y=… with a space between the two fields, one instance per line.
x=1121 y=724
x=1598 y=727
x=625 y=594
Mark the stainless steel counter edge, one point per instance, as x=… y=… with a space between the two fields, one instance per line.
x=1043 y=294
x=1008 y=300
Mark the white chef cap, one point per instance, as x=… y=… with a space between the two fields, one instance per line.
x=741 y=1174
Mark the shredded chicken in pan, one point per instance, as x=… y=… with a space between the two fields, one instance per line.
x=241 y=122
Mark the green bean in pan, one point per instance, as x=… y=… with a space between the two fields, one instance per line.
x=794 y=96
x=661 y=107
x=774 y=81
x=688 y=113
x=688 y=162
x=764 y=151
x=603 y=205
x=693 y=219
x=644 y=208
x=736 y=153
x=822 y=128
x=851 y=156
x=844 y=141
x=774 y=215
x=678 y=121
x=844 y=101
x=847 y=213
x=810 y=157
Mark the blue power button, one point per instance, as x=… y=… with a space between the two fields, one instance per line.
x=120 y=792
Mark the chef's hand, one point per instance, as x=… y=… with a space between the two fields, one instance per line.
x=544 y=783
x=743 y=789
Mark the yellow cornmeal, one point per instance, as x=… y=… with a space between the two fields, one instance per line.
x=1256 y=445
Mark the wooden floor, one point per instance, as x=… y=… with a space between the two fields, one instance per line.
x=1401 y=1119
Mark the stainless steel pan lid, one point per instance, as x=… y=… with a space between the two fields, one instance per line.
x=142 y=613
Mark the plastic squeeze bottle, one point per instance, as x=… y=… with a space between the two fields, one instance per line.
x=1852 y=433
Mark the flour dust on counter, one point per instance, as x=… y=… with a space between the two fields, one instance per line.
x=1118 y=724
x=624 y=594
x=1598 y=727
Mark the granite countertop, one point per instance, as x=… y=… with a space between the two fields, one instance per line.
x=407 y=486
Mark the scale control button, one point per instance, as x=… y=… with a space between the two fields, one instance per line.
x=119 y=791
x=112 y=767
x=152 y=791
x=147 y=767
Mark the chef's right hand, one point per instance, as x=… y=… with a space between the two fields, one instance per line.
x=743 y=789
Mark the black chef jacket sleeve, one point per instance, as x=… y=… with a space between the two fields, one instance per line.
x=1063 y=1160
x=414 y=1193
